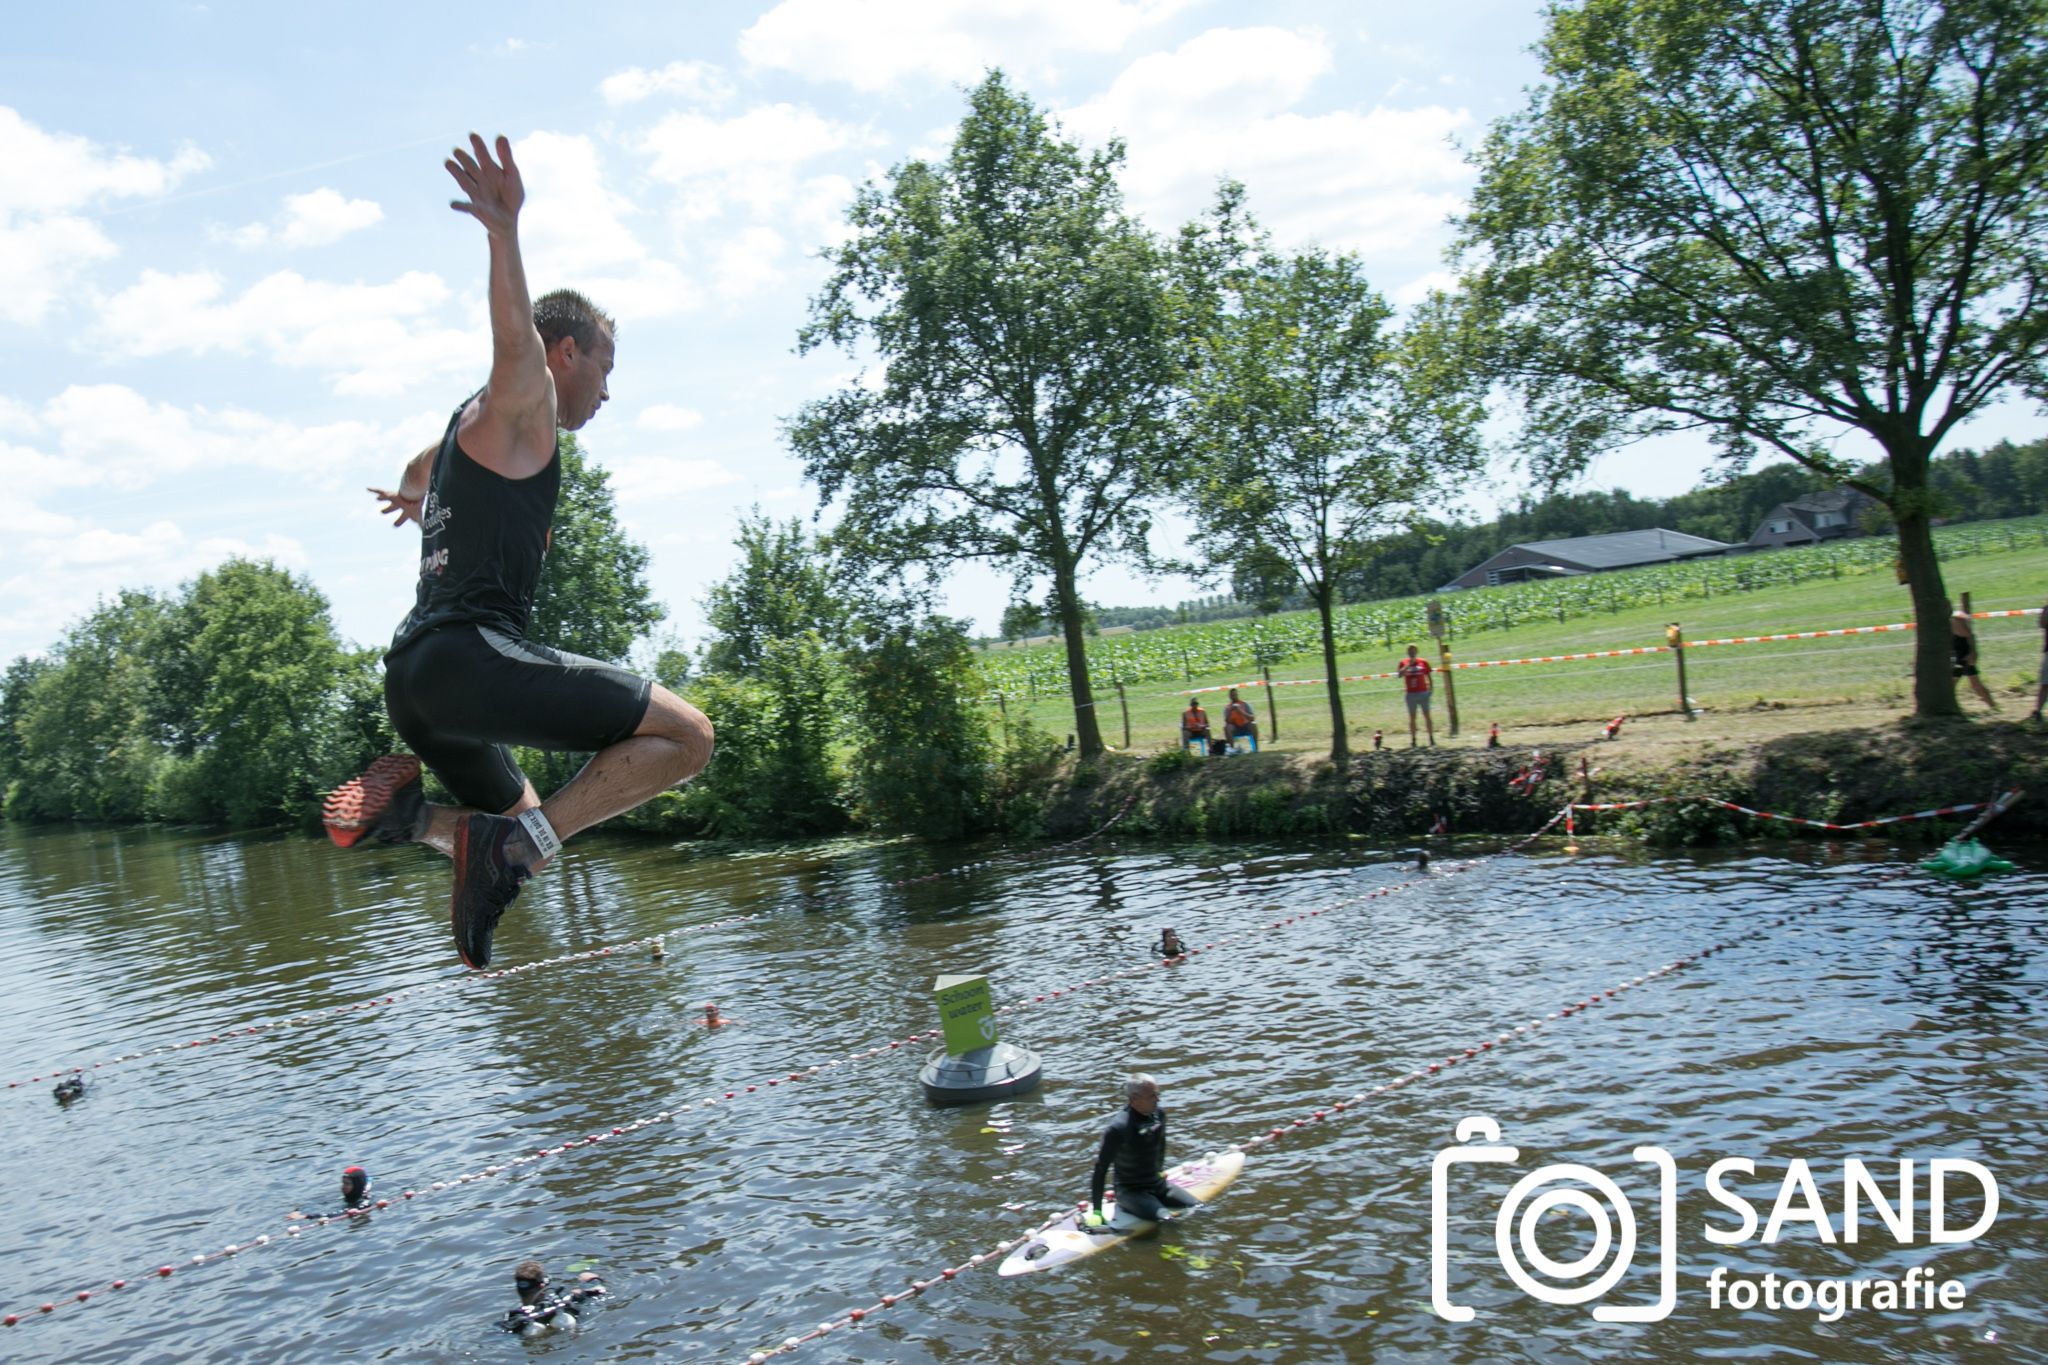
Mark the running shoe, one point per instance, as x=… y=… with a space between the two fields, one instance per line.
x=486 y=882
x=384 y=802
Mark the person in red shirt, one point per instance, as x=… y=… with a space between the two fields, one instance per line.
x=1414 y=671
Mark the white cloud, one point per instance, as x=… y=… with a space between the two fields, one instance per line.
x=694 y=82
x=1224 y=103
x=752 y=169
x=45 y=245
x=668 y=417
x=317 y=218
x=638 y=480
x=76 y=565
x=1419 y=288
x=873 y=44
x=40 y=258
x=747 y=261
x=369 y=339
x=573 y=232
x=110 y=435
x=47 y=173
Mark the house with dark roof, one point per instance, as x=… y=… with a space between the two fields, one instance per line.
x=1813 y=517
x=1586 y=554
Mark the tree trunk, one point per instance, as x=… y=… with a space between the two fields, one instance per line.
x=1085 y=728
x=1934 y=683
x=1340 y=743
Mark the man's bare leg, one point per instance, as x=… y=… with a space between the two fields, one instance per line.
x=671 y=745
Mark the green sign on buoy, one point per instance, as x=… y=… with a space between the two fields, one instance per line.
x=966 y=1012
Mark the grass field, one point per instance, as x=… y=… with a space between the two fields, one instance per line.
x=1872 y=671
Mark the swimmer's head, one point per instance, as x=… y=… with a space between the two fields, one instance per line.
x=1169 y=940
x=529 y=1278
x=355 y=1184
x=711 y=1014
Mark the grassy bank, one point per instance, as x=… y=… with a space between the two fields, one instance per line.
x=1823 y=761
x=1868 y=671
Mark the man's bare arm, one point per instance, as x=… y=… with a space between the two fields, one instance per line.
x=514 y=431
x=405 y=501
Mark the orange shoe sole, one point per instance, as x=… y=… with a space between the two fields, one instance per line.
x=353 y=807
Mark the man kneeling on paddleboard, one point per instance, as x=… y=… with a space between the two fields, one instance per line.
x=1134 y=1146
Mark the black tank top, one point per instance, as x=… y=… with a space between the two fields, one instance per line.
x=483 y=537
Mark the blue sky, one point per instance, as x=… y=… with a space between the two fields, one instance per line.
x=232 y=293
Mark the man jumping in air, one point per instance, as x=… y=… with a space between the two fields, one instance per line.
x=461 y=680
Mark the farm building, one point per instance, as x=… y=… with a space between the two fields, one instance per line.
x=1812 y=518
x=1586 y=554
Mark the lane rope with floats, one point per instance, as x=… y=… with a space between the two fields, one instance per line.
x=252 y=1028
x=167 y=1269
x=1328 y=1114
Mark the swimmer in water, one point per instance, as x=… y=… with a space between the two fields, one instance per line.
x=713 y=1019
x=355 y=1196
x=1169 y=945
x=542 y=1309
x=69 y=1089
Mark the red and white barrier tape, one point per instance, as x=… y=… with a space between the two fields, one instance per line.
x=1598 y=653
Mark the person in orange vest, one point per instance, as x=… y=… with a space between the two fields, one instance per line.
x=1194 y=724
x=1415 y=671
x=1239 y=721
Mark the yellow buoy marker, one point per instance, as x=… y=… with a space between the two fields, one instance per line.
x=975 y=1064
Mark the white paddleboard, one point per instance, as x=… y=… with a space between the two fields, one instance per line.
x=1066 y=1242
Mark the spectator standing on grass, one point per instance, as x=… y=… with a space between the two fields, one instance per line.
x=1414 y=671
x=1963 y=635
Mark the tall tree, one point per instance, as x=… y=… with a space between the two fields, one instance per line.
x=252 y=695
x=1781 y=220
x=782 y=587
x=1319 y=430
x=1031 y=390
x=89 y=746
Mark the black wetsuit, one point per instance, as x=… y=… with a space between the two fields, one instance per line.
x=1134 y=1147
x=550 y=1306
x=461 y=680
x=1964 y=646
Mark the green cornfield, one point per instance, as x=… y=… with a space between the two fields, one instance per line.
x=1182 y=652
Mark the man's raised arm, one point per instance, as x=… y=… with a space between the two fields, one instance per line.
x=519 y=405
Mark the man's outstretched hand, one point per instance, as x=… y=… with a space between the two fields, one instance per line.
x=494 y=188
x=399 y=507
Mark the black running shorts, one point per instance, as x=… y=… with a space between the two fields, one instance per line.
x=461 y=695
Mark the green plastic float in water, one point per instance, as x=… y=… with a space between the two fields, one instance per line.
x=1963 y=859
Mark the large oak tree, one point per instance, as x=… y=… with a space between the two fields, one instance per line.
x=1031 y=336
x=1781 y=221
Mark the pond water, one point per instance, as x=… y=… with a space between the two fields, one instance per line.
x=1892 y=1017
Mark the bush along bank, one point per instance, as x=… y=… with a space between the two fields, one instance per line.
x=1841 y=776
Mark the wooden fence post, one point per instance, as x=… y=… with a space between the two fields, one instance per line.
x=1272 y=711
